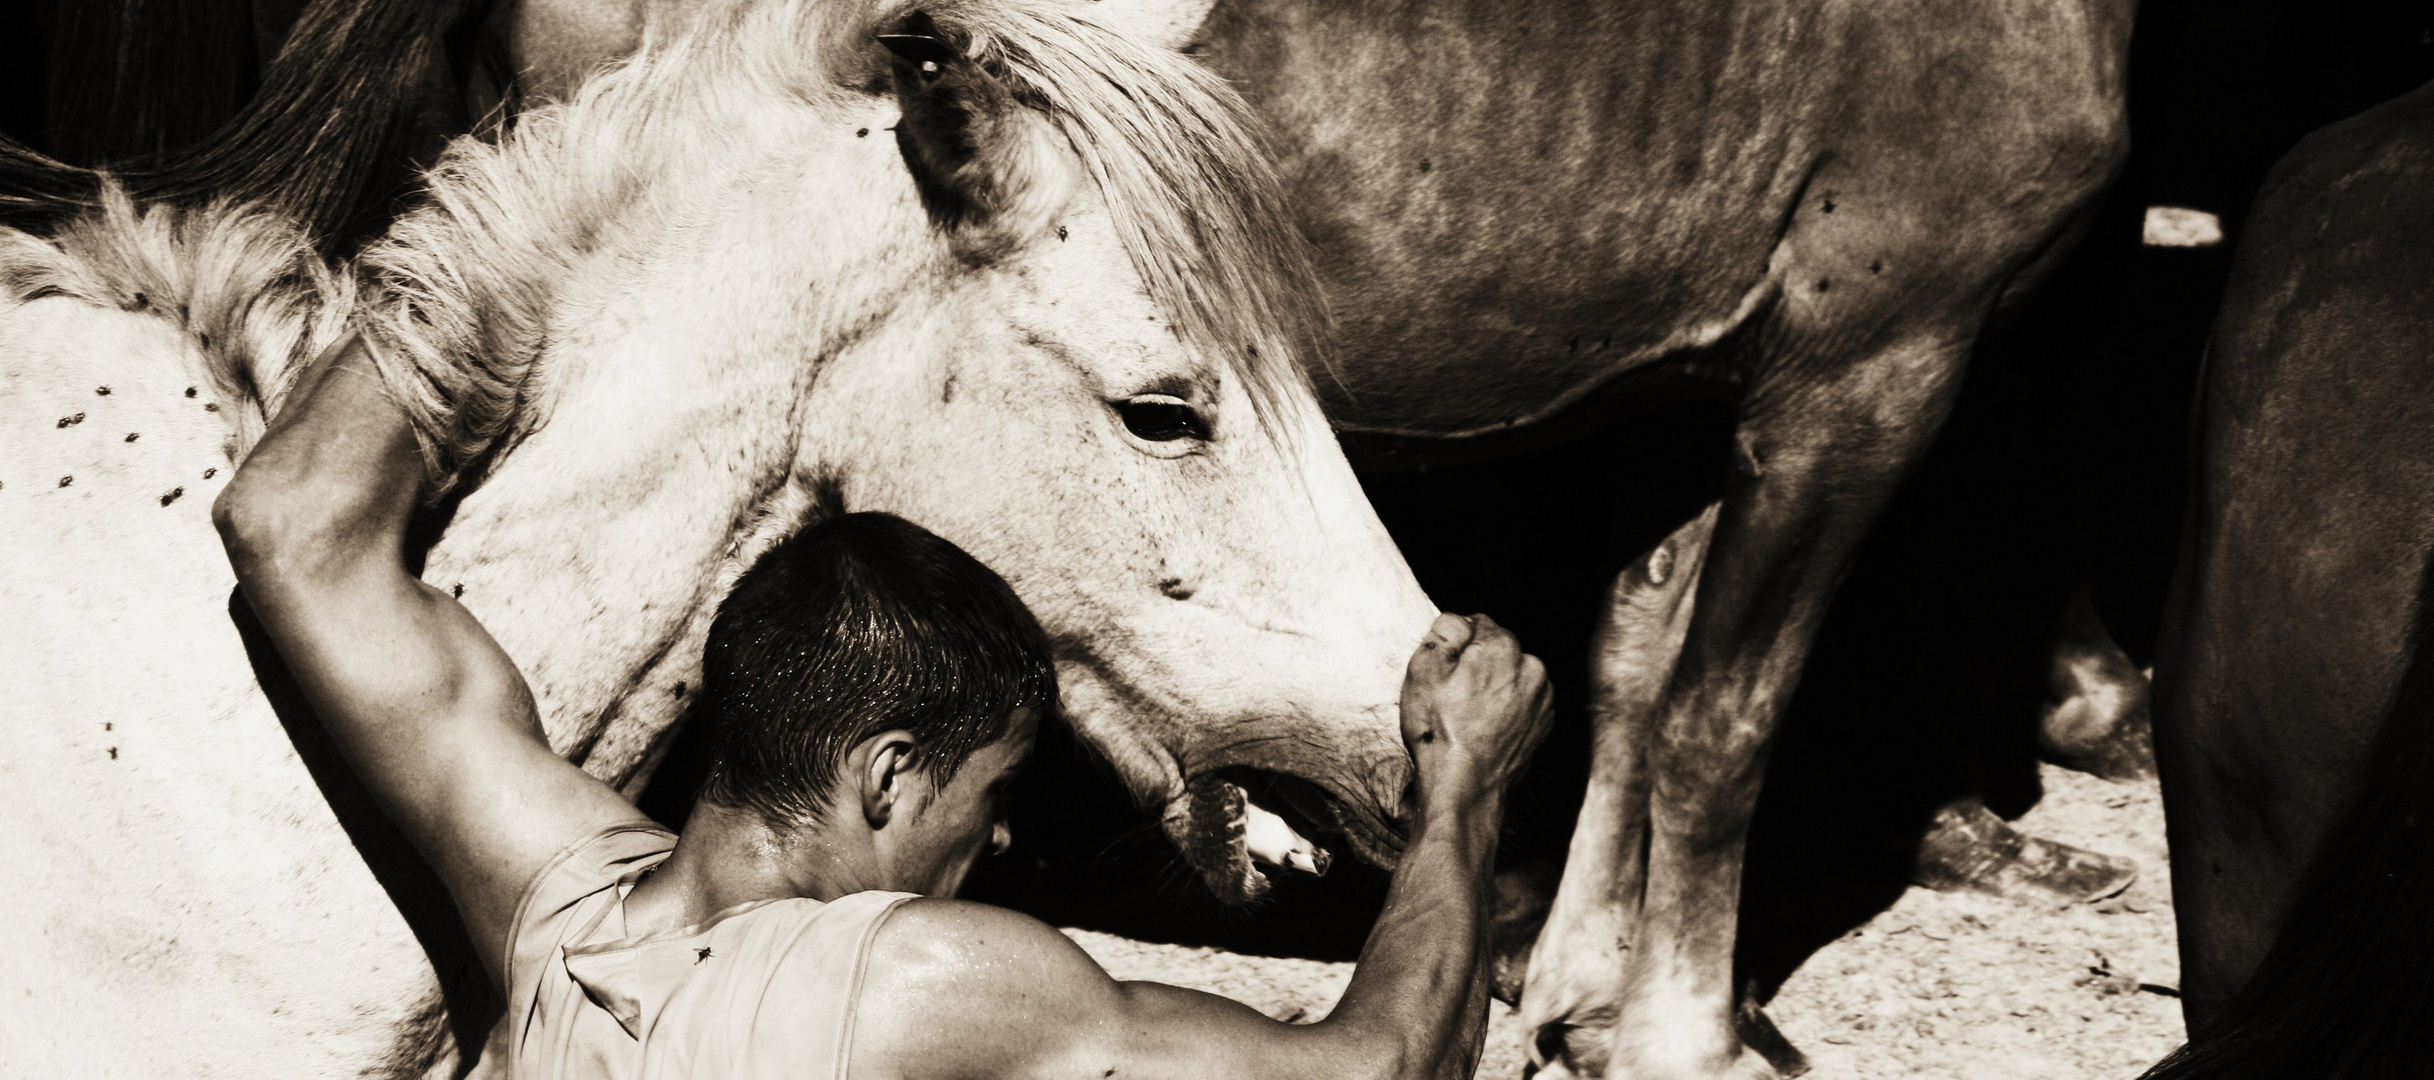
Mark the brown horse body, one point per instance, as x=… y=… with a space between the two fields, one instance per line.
x=2294 y=696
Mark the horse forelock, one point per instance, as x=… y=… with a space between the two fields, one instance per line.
x=1174 y=154
x=248 y=287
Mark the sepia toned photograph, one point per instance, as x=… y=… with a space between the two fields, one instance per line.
x=1332 y=539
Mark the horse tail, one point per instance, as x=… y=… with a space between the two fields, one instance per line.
x=329 y=141
x=132 y=79
x=2347 y=991
x=36 y=192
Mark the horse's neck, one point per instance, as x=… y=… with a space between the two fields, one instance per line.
x=598 y=543
x=658 y=465
x=661 y=417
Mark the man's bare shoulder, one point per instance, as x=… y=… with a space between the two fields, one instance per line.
x=957 y=988
x=934 y=944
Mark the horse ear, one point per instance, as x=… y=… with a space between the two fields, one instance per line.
x=991 y=168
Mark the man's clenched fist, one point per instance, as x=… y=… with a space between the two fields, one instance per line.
x=1474 y=706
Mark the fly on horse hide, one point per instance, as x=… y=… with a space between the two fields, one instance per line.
x=771 y=268
x=2294 y=695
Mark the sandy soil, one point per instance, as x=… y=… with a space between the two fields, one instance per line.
x=1940 y=985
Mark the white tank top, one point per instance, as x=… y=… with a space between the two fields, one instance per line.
x=760 y=991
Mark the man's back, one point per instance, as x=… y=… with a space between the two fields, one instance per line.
x=762 y=990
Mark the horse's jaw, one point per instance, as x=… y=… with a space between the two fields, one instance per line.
x=1265 y=672
x=1206 y=726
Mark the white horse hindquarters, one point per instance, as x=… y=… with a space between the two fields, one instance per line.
x=161 y=834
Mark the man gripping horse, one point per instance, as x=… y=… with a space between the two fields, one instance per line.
x=868 y=689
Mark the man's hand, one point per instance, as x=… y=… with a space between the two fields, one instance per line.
x=1474 y=707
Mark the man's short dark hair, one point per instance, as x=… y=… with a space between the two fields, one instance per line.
x=860 y=624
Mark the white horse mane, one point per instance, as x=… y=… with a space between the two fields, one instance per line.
x=458 y=294
x=247 y=287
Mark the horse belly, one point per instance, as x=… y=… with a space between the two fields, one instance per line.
x=1514 y=203
x=185 y=903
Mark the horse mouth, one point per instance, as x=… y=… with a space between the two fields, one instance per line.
x=1237 y=825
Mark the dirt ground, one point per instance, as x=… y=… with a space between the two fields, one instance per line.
x=1940 y=985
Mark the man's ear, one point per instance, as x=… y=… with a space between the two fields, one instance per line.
x=991 y=169
x=884 y=763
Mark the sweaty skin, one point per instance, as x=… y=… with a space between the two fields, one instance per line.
x=441 y=727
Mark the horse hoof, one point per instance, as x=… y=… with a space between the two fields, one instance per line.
x=1760 y=1034
x=2096 y=717
x=2081 y=735
x=1968 y=849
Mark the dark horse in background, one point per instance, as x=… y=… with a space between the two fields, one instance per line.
x=2095 y=381
x=1539 y=217
x=2295 y=692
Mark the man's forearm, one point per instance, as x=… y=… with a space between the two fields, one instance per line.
x=1420 y=992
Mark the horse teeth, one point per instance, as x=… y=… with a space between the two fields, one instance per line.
x=1270 y=840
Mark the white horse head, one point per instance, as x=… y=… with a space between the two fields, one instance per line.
x=986 y=265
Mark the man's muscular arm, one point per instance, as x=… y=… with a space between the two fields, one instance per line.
x=434 y=717
x=965 y=990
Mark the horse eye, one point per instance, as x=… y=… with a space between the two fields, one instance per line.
x=1159 y=418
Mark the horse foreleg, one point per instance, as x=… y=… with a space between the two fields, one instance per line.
x=1819 y=455
x=1576 y=967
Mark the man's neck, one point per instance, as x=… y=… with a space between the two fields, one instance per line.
x=728 y=857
